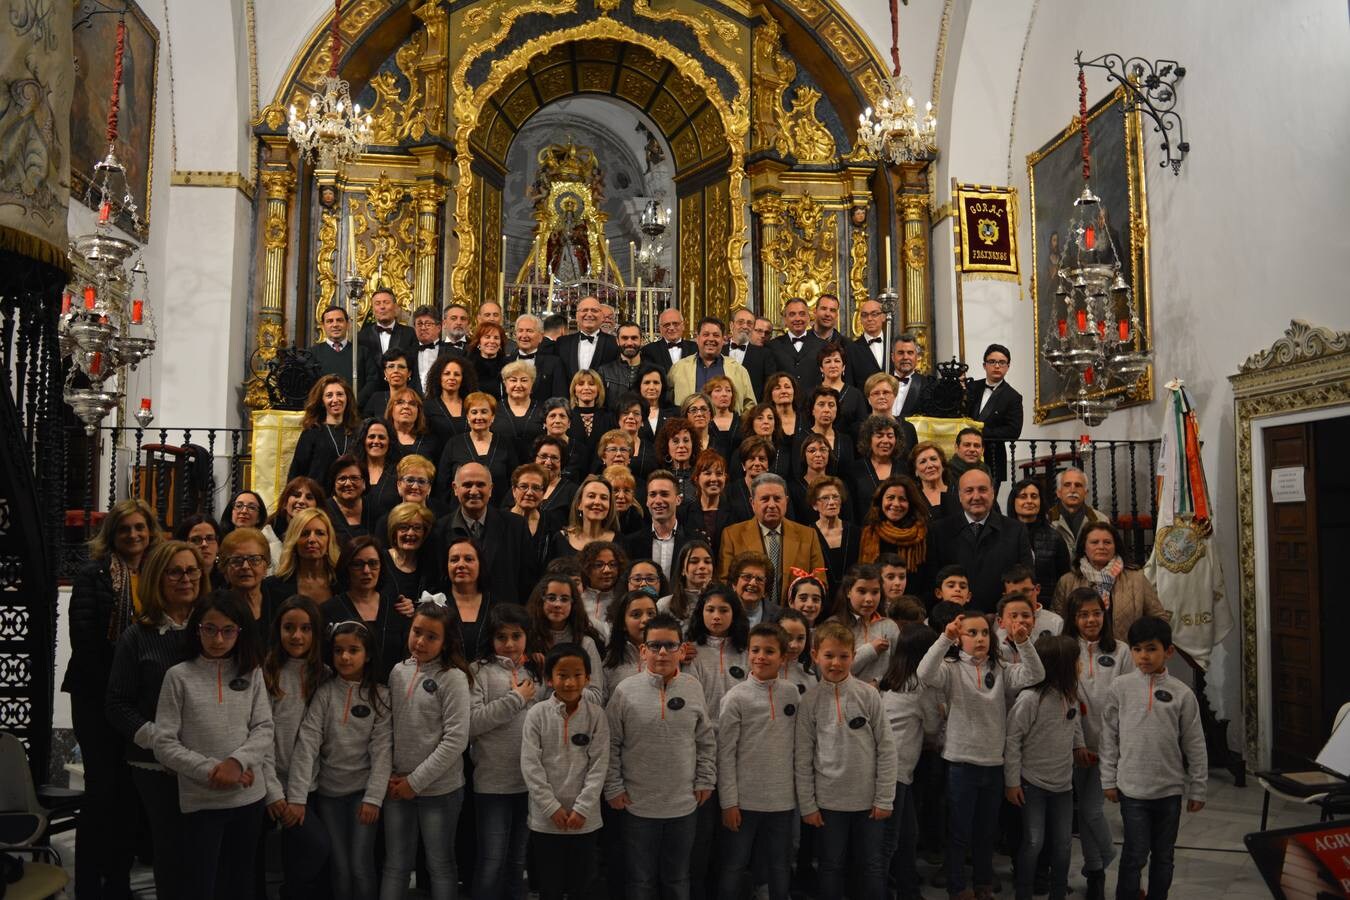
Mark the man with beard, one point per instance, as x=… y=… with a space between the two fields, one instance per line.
x=744 y=348
x=620 y=375
x=456 y=327
x=827 y=320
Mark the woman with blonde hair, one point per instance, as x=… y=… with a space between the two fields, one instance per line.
x=412 y=565
x=591 y=518
x=590 y=418
x=627 y=505
x=408 y=421
x=725 y=421
x=521 y=418
x=329 y=425
x=307 y=565
x=103 y=604
x=173 y=577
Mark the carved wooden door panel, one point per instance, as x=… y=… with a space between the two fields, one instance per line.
x=1295 y=602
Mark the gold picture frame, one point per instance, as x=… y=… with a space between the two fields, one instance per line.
x=1054 y=177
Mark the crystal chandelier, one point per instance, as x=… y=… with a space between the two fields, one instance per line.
x=333 y=130
x=654 y=220
x=892 y=130
x=105 y=327
x=1095 y=345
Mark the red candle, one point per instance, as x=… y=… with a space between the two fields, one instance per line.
x=95 y=364
x=1089 y=376
x=104 y=210
x=137 y=310
x=1082 y=320
x=1063 y=328
x=1124 y=326
x=145 y=403
x=89 y=296
x=1101 y=329
x=1090 y=238
x=65 y=302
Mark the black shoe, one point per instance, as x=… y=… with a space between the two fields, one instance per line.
x=1041 y=884
x=1096 y=885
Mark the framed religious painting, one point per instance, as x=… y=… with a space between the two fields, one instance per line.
x=1055 y=176
x=95 y=43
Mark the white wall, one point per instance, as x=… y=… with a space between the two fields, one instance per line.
x=1246 y=238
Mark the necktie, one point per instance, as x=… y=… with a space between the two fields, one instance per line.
x=976 y=528
x=590 y=338
x=431 y=346
x=384 y=330
x=773 y=544
x=475 y=529
x=875 y=340
x=336 y=346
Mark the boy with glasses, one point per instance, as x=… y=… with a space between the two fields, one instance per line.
x=662 y=763
x=995 y=403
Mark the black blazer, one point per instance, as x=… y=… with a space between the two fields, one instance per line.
x=606 y=349
x=1002 y=544
x=368 y=355
x=837 y=560
x=800 y=364
x=581 y=446
x=916 y=398
x=333 y=362
x=860 y=364
x=92 y=603
x=506 y=564
x=758 y=365
x=658 y=355
x=696 y=525
x=549 y=378
x=1002 y=418
x=500 y=461
x=439 y=420
x=638 y=544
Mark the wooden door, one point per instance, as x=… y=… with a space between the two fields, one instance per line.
x=1295 y=601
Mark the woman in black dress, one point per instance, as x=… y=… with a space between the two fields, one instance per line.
x=643 y=458
x=480 y=445
x=246 y=509
x=347 y=506
x=203 y=533
x=706 y=511
x=928 y=466
x=651 y=387
x=823 y=405
x=762 y=421
x=839 y=534
x=754 y=454
x=527 y=490
x=329 y=426
x=550 y=453
x=379 y=467
x=880 y=459
x=366 y=595
x=299 y=493
x=411 y=434
x=675 y=444
x=851 y=406
x=411 y=567
x=519 y=417
x=449 y=381
x=781 y=391
x=725 y=422
x=590 y=418
x=487 y=355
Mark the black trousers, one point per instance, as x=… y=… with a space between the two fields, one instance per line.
x=110 y=816
x=563 y=864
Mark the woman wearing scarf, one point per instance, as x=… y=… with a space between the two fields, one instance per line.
x=896 y=522
x=1126 y=592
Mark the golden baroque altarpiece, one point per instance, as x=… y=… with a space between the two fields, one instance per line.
x=753 y=100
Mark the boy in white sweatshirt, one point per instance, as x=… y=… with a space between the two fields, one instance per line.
x=1152 y=752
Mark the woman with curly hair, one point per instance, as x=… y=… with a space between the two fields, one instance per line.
x=449 y=380
x=329 y=425
x=896 y=522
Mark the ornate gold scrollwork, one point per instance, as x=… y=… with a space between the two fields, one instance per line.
x=325 y=263
x=716 y=295
x=801 y=134
x=857 y=268
x=804 y=250
x=772 y=71
x=395 y=118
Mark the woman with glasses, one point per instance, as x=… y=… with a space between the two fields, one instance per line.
x=245 y=557
x=697 y=411
x=823 y=404
x=626 y=506
x=601 y=562
x=366 y=595
x=308 y=562
x=102 y=606
x=415 y=476
x=480 y=445
x=519 y=418
x=813 y=465
x=629 y=412
x=378 y=461
x=591 y=518
x=347 y=506
x=550 y=453
x=449 y=381
x=407 y=418
x=839 y=534
x=299 y=493
x=203 y=533
x=173 y=577
x=411 y=566
x=644 y=575
x=245 y=510
x=527 y=492
x=328 y=428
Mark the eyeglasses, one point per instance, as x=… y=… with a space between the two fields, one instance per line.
x=414 y=481
x=411 y=526
x=242 y=506
x=997 y=363
x=640 y=578
x=348 y=479
x=191 y=573
x=364 y=564
x=251 y=559
x=754 y=579
x=202 y=539
x=871 y=314
x=557 y=598
x=667 y=646
x=211 y=632
x=530 y=488
x=604 y=565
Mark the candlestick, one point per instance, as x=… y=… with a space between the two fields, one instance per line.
x=888 y=262
x=351 y=242
x=89 y=296
x=137 y=311
x=65 y=302
x=632 y=261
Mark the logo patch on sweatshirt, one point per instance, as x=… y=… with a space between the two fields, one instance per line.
x=1071 y=713
x=801 y=689
x=989 y=679
x=1163 y=696
x=361 y=711
x=429 y=685
x=790 y=709
x=581 y=740
x=1106 y=662
x=239 y=684
x=736 y=672
x=675 y=703
x=857 y=722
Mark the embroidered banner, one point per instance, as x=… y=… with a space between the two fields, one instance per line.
x=986 y=218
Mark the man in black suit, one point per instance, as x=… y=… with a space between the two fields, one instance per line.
x=827 y=320
x=980 y=540
x=334 y=355
x=505 y=572
x=795 y=352
x=671 y=346
x=744 y=350
x=455 y=327
x=549 y=380
x=866 y=356
x=385 y=333
x=912 y=394
x=620 y=374
x=429 y=346
x=995 y=403
x=555 y=326
x=588 y=347
x=660 y=538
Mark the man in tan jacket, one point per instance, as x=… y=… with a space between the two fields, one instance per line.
x=688 y=376
x=788 y=545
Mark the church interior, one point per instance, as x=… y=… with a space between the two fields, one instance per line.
x=191 y=189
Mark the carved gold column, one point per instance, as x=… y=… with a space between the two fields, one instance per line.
x=277 y=187
x=914 y=253
x=770 y=210
x=428 y=198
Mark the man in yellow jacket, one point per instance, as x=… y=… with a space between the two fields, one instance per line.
x=688 y=376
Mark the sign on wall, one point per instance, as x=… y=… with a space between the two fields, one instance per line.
x=987 y=220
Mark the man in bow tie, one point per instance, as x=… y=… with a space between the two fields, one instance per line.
x=671 y=346
x=456 y=327
x=378 y=337
x=549 y=380
x=866 y=356
x=745 y=350
x=429 y=346
x=588 y=347
x=911 y=395
x=795 y=352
